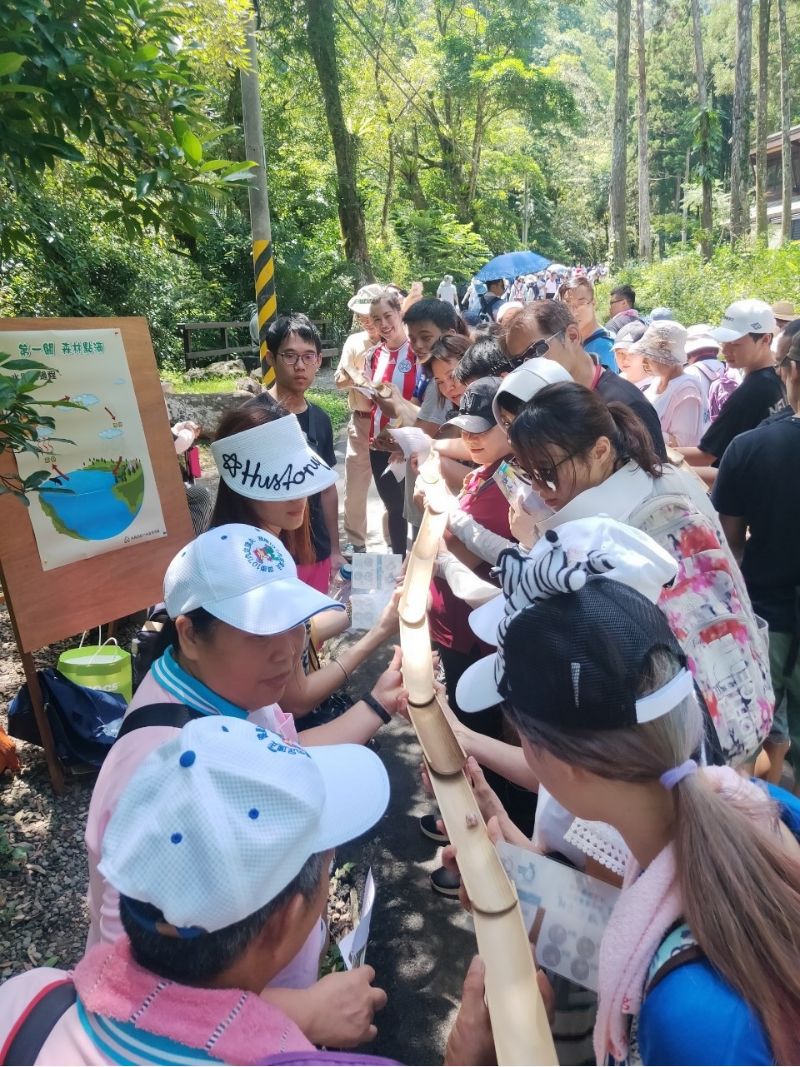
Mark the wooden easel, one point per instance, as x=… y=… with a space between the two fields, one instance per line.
x=51 y=606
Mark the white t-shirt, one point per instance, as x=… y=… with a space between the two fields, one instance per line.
x=447 y=292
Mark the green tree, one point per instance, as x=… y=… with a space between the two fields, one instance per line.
x=111 y=86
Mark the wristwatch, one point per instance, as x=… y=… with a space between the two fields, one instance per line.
x=377 y=707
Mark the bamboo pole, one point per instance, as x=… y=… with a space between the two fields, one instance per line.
x=519 y=1020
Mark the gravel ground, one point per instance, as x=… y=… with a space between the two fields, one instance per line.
x=42 y=857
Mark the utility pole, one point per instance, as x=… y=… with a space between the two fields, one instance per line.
x=261 y=229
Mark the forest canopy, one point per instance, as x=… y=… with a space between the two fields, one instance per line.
x=457 y=131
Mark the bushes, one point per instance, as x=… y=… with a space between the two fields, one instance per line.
x=700 y=292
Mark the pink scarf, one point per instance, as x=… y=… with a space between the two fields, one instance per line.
x=647 y=907
x=229 y=1024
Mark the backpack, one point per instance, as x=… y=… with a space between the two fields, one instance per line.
x=709 y=611
x=718 y=393
x=84 y=721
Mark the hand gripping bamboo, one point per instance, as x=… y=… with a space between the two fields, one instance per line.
x=519 y=1021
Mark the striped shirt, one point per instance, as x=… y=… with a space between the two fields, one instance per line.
x=396 y=366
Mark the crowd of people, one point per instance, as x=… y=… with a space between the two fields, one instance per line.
x=616 y=612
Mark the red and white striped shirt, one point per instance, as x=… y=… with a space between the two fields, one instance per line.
x=399 y=367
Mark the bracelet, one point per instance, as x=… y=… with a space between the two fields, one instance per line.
x=342 y=668
x=377 y=707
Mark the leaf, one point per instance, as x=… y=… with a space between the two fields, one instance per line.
x=144 y=183
x=146 y=53
x=10 y=62
x=214 y=164
x=192 y=147
x=24 y=364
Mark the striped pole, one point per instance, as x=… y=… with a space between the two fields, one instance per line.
x=264 y=272
x=263 y=262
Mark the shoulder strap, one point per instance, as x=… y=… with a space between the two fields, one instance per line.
x=34 y=1026
x=677 y=948
x=176 y=715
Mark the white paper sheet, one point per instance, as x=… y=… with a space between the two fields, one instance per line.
x=572 y=907
x=353 y=946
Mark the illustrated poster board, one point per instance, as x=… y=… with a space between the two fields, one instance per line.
x=50 y=603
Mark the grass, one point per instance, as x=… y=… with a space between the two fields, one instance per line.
x=334 y=403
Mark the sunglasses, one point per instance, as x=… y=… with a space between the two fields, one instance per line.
x=547 y=477
x=786 y=361
x=536 y=349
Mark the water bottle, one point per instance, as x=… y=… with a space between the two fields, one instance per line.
x=341 y=583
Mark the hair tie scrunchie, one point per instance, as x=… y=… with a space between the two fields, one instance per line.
x=669 y=779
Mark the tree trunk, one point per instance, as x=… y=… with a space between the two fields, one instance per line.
x=786 y=144
x=322 y=45
x=526 y=220
x=477 y=146
x=619 y=143
x=761 y=119
x=645 y=238
x=409 y=171
x=685 y=204
x=707 y=210
x=740 y=138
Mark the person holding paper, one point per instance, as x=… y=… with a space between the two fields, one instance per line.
x=348 y=375
x=698 y=963
x=393 y=362
x=203 y=938
x=237 y=614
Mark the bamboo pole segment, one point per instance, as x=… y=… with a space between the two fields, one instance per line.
x=519 y=1020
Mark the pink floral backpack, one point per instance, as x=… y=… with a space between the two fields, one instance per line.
x=709 y=611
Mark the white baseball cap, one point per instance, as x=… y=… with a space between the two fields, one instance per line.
x=272 y=462
x=632 y=557
x=361 y=303
x=243 y=576
x=744 y=316
x=526 y=381
x=216 y=822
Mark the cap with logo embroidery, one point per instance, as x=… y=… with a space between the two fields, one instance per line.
x=243 y=576
x=742 y=317
x=475 y=412
x=216 y=822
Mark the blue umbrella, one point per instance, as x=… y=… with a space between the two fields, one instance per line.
x=511 y=264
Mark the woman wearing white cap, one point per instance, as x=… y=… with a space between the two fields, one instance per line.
x=674 y=394
x=238 y=614
x=698 y=963
x=267 y=473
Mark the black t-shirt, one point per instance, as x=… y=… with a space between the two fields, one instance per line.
x=316 y=425
x=760 y=394
x=758 y=482
x=611 y=387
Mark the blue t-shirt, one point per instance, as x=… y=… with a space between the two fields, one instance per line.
x=692 y=1016
x=598 y=344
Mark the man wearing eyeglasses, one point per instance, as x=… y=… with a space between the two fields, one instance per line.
x=547 y=328
x=294 y=347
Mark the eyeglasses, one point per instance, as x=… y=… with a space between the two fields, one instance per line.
x=547 y=477
x=293 y=358
x=783 y=363
x=536 y=349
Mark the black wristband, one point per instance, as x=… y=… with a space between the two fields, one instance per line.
x=377 y=707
